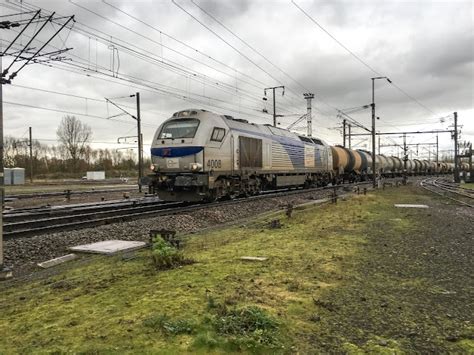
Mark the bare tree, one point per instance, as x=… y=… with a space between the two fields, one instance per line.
x=74 y=136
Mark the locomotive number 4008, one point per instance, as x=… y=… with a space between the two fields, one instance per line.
x=214 y=163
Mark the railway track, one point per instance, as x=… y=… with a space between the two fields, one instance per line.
x=449 y=190
x=37 y=221
x=66 y=192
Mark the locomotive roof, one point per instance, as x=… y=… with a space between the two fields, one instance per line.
x=232 y=121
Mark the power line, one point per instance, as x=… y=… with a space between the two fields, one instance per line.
x=182 y=43
x=252 y=48
x=225 y=41
x=78 y=97
x=189 y=74
x=249 y=46
x=192 y=77
x=150 y=39
x=143 y=83
x=68 y=112
x=357 y=57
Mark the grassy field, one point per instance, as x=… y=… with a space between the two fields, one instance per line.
x=325 y=287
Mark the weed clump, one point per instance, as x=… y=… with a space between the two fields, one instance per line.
x=163 y=323
x=164 y=256
x=249 y=327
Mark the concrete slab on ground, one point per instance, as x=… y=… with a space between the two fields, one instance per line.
x=109 y=247
x=411 y=206
x=57 y=261
x=253 y=258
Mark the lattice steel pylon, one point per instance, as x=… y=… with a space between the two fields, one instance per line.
x=23 y=55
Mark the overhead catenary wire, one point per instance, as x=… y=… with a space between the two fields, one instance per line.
x=183 y=43
x=134 y=79
x=249 y=46
x=358 y=58
x=239 y=103
x=146 y=37
x=192 y=75
x=80 y=97
x=230 y=45
x=70 y=112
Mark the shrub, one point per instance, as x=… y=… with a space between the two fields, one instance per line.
x=249 y=327
x=161 y=322
x=164 y=256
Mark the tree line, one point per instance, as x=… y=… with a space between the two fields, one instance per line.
x=71 y=157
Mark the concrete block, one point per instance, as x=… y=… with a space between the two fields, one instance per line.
x=410 y=206
x=57 y=261
x=109 y=247
x=253 y=258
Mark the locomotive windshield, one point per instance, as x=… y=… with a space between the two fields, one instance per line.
x=181 y=128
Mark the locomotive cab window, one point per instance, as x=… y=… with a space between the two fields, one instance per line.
x=218 y=134
x=317 y=141
x=180 y=128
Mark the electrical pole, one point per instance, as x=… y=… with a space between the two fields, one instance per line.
x=344 y=132
x=374 y=183
x=4 y=272
x=349 y=135
x=309 y=119
x=30 y=144
x=437 y=150
x=139 y=135
x=405 y=148
x=274 y=100
x=21 y=60
x=140 y=144
x=379 y=145
x=456 y=169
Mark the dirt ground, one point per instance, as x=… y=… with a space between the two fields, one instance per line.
x=413 y=287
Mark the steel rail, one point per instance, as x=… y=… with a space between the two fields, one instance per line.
x=68 y=210
x=65 y=193
x=431 y=185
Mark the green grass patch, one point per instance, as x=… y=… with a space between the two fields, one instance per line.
x=469 y=185
x=219 y=303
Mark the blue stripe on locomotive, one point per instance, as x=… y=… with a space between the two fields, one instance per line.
x=172 y=152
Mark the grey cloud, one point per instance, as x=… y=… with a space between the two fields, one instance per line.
x=411 y=42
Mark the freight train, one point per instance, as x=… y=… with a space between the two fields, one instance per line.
x=198 y=155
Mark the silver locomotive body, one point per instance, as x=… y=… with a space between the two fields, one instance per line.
x=198 y=155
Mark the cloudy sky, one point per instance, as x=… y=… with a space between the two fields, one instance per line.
x=220 y=55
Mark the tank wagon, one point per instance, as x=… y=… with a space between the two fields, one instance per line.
x=198 y=155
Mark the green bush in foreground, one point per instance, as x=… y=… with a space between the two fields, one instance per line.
x=164 y=256
x=161 y=322
x=248 y=327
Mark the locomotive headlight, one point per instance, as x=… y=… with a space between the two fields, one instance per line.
x=195 y=167
x=154 y=167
